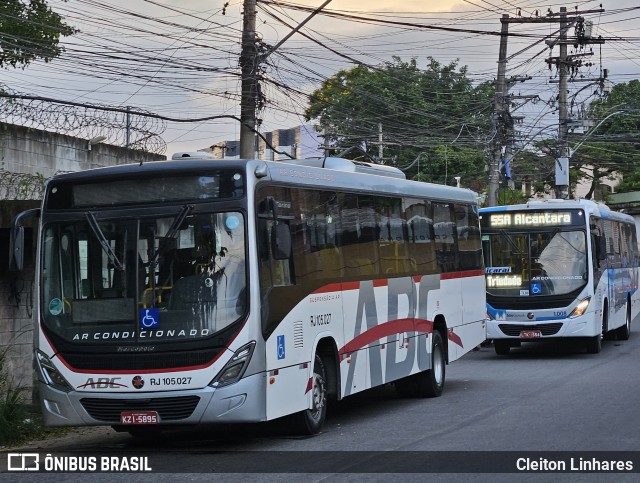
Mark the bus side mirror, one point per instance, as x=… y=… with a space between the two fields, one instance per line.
x=16 y=249
x=281 y=248
x=16 y=239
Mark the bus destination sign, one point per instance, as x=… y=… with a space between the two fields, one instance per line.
x=530 y=219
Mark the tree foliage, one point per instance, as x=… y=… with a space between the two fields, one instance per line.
x=612 y=148
x=432 y=118
x=29 y=30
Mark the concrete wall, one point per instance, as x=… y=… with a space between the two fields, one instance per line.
x=24 y=154
x=31 y=151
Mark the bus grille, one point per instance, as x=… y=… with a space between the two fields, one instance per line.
x=169 y=408
x=545 y=329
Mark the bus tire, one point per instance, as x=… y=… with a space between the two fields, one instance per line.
x=624 y=332
x=430 y=383
x=594 y=344
x=310 y=421
x=502 y=347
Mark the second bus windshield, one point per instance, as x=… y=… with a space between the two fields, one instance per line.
x=542 y=263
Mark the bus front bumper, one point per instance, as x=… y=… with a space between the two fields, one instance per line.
x=586 y=325
x=244 y=401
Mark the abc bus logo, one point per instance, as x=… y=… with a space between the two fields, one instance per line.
x=138 y=382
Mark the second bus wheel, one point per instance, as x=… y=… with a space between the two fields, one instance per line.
x=430 y=383
x=624 y=332
x=502 y=347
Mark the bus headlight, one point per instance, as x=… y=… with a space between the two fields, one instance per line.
x=50 y=374
x=581 y=308
x=234 y=369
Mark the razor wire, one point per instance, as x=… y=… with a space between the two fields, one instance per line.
x=122 y=126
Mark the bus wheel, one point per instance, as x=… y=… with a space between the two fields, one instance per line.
x=312 y=419
x=430 y=383
x=624 y=332
x=594 y=344
x=502 y=347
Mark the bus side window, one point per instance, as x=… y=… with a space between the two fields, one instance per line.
x=445 y=237
x=469 y=246
x=274 y=243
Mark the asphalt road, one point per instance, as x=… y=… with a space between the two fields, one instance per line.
x=540 y=402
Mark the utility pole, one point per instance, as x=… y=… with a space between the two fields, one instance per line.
x=502 y=121
x=562 y=163
x=327 y=141
x=249 y=67
x=380 y=147
x=499 y=115
x=250 y=60
x=563 y=62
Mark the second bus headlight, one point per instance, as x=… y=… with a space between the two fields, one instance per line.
x=581 y=308
x=234 y=369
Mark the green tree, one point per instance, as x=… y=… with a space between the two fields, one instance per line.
x=433 y=120
x=29 y=30
x=612 y=148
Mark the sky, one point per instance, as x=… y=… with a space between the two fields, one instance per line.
x=179 y=59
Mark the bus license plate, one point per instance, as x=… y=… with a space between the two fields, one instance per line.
x=139 y=417
x=530 y=334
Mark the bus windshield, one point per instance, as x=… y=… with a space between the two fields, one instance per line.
x=541 y=263
x=171 y=278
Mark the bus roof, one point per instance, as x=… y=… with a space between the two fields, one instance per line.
x=335 y=173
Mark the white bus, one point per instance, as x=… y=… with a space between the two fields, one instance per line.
x=199 y=291
x=559 y=268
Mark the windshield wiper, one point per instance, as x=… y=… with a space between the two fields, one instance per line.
x=104 y=243
x=171 y=233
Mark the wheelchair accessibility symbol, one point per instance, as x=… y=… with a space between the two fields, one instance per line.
x=536 y=288
x=280 y=342
x=149 y=319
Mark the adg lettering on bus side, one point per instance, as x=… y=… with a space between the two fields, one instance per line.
x=367 y=312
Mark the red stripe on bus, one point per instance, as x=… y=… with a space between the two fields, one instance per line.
x=386 y=329
x=423 y=325
x=383 y=282
x=332 y=287
x=455 y=338
x=465 y=274
x=309 y=385
x=351 y=286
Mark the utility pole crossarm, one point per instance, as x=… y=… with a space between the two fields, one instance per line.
x=290 y=34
